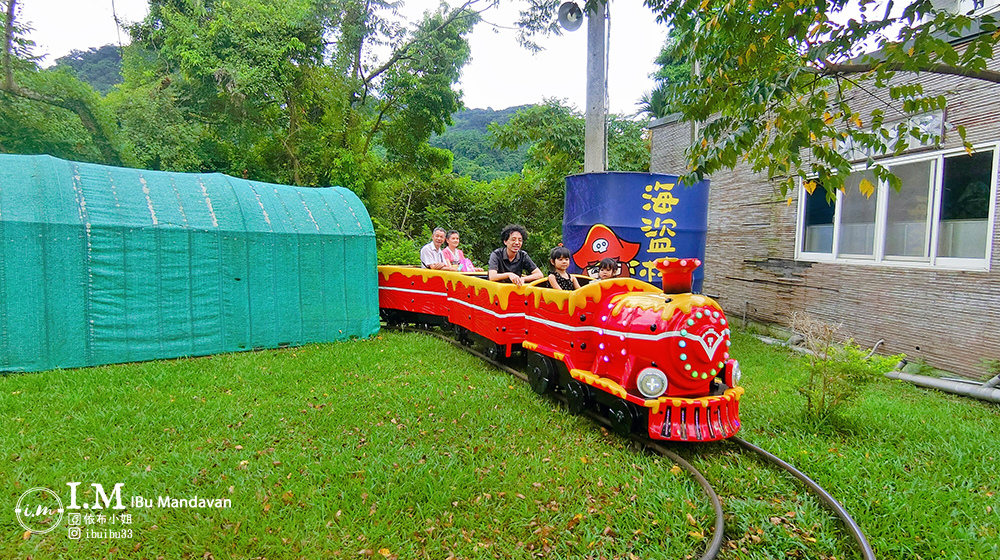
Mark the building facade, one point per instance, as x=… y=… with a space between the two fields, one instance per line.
x=915 y=269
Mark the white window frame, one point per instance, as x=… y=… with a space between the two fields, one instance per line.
x=934 y=212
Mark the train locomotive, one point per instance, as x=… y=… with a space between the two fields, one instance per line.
x=654 y=362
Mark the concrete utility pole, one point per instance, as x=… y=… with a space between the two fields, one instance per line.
x=595 y=154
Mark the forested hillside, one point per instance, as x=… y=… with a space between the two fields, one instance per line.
x=471 y=143
x=99 y=67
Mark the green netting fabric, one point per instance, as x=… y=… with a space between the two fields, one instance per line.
x=103 y=264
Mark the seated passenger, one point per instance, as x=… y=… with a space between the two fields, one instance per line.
x=507 y=263
x=455 y=256
x=431 y=255
x=607 y=268
x=560 y=278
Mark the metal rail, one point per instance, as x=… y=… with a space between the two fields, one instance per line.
x=816 y=489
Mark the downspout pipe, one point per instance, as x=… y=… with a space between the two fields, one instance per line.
x=988 y=391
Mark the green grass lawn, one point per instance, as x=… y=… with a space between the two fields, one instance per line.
x=403 y=446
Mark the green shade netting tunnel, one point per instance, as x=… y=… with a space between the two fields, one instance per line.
x=104 y=265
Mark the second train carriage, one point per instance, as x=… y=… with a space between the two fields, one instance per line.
x=654 y=362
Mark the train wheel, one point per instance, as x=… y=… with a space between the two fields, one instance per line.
x=391 y=317
x=494 y=351
x=622 y=417
x=541 y=374
x=577 y=396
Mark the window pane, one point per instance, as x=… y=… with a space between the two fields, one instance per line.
x=965 y=205
x=818 y=223
x=857 y=221
x=906 y=233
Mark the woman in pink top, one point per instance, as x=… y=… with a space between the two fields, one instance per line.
x=455 y=257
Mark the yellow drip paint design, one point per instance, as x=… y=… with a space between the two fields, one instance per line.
x=410 y=272
x=598 y=381
x=592 y=292
x=583 y=375
x=529 y=345
x=498 y=292
x=731 y=394
x=659 y=302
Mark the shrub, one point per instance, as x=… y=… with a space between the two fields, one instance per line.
x=393 y=246
x=838 y=368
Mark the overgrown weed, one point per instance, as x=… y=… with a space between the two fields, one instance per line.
x=838 y=368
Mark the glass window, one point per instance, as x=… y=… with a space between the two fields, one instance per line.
x=941 y=216
x=907 y=228
x=818 y=222
x=965 y=205
x=857 y=222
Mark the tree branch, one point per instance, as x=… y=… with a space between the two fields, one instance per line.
x=874 y=95
x=77 y=106
x=287 y=140
x=402 y=51
x=841 y=69
x=81 y=109
x=378 y=122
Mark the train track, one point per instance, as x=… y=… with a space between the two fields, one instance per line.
x=715 y=545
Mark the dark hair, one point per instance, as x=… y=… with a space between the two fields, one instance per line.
x=507 y=230
x=559 y=252
x=607 y=264
x=448 y=235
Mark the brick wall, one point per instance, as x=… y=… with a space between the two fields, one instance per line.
x=951 y=319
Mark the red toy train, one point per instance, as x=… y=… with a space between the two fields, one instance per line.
x=643 y=357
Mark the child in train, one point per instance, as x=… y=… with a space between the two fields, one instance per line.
x=607 y=268
x=560 y=278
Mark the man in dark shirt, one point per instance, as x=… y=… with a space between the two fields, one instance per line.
x=509 y=262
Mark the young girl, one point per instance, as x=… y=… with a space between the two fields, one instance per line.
x=560 y=278
x=607 y=268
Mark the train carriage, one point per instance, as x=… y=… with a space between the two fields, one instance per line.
x=653 y=362
x=487 y=312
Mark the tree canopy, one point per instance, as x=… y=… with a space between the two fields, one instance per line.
x=48 y=112
x=776 y=84
x=555 y=133
x=302 y=92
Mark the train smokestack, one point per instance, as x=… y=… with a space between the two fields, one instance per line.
x=677 y=274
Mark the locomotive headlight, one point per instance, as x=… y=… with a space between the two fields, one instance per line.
x=652 y=382
x=733 y=373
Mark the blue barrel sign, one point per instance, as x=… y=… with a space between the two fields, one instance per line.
x=634 y=219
